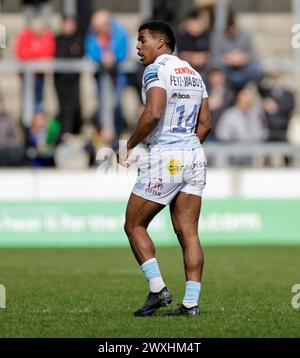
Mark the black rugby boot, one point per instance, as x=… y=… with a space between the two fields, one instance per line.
x=184 y=311
x=154 y=302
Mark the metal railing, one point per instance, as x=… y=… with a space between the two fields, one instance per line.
x=220 y=153
x=28 y=70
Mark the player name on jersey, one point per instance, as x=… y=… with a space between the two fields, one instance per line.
x=186 y=81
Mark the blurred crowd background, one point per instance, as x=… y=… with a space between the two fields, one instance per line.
x=70 y=79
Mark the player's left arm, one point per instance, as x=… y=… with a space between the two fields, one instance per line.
x=155 y=103
x=204 y=124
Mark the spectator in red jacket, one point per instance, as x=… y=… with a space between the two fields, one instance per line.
x=36 y=43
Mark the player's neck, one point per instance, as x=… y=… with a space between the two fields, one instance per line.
x=165 y=52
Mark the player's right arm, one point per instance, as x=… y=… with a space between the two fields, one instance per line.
x=204 y=124
x=155 y=102
x=156 y=97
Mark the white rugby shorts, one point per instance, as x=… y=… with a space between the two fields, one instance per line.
x=164 y=173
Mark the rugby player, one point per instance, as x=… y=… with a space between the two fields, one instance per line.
x=175 y=121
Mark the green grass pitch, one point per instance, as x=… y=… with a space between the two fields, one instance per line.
x=246 y=292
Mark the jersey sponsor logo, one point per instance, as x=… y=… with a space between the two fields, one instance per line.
x=196 y=165
x=183 y=70
x=183 y=96
x=176 y=96
x=155 y=187
x=174 y=166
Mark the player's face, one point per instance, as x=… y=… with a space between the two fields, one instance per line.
x=147 y=47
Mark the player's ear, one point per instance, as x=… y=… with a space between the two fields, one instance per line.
x=161 y=42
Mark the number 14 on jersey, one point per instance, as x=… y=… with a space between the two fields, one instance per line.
x=185 y=121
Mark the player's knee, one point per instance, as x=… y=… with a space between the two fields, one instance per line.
x=138 y=232
x=128 y=228
x=183 y=230
x=133 y=230
x=177 y=231
x=188 y=231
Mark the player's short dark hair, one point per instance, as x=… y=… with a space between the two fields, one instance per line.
x=161 y=28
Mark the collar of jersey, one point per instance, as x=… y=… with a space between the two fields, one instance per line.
x=160 y=57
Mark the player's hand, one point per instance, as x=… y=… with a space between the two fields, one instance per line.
x=122 y=156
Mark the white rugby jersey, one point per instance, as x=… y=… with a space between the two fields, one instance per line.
x=185 y=90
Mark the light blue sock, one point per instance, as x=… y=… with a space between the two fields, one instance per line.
x=153 y=275
x=192 y=294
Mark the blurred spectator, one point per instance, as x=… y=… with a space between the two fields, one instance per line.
x=71 y=153
x=244 y=122
x=106 y=45
x=37 y=8
x=207 y=8
x=69 y=46
x=236 y=54
x=278 y=103
x=83 y=14
x=220 y=96
x=41 y=139
x=193 y=41
x=12 y=152
x=36 y=43
x=165 y=10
